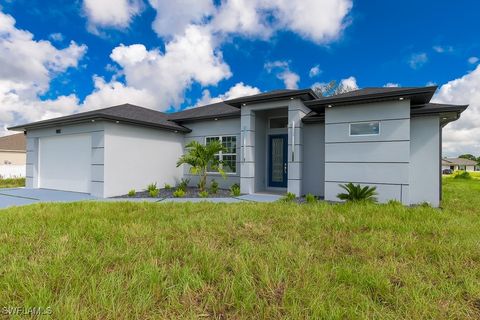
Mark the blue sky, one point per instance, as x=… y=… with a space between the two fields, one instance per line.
x=168 y=57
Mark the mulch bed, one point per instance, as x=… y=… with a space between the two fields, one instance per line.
x=191 y=192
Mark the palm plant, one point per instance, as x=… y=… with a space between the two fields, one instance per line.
x=203 y=158
x=357 y=193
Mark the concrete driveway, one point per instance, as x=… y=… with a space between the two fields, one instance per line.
x=23 y=196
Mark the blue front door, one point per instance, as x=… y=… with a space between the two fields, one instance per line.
x=277 y=160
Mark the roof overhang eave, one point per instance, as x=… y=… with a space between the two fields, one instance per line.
x=94 y=118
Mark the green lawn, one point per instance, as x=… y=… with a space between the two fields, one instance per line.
x=12 y=182
x=245 y=261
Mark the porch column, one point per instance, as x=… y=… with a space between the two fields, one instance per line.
x=247 y=154
x=296 y=111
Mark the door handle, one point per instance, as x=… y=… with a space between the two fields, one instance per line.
x=285 y=168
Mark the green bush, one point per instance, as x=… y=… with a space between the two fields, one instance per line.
x=235 y=190
x=153 y=193
x=179 y=193
x=183 y=184
x=310 y=198
x=462 y=175
x=152 y=187
x=356 y=193
x=288 y=197
x=203 y=194
x=167 y=186
x=132 y=193
x=213 y=186
x=394 y=203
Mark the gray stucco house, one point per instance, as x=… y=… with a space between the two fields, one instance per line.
x=285 y=140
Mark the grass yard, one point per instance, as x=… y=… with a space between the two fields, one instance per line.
x=12 y=182
x=245 y=261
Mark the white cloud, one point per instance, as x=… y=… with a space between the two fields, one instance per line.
x=173 y=17
x=417 y=60
x=110 y=14
x=391 y=85
x=56 y=37
x=238 y=90
x=187 y=59
x=349 y=84
x=443 y=49
x=314 y=71
x=29 y=64
x=473 y=60
x=27 y=69
x=317 y=20
x=283 y=72
x=462 y=135
x=113 y=93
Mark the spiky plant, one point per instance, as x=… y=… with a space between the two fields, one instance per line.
x=357 y=193
x=202 y=158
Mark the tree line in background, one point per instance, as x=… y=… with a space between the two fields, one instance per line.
x=470 y=157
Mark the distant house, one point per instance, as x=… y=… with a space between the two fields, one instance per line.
x=13 y=156
x=459 y=164
x=12 y=149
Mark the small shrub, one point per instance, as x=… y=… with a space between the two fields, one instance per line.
x=394 y=203
x=356 y=193
x=153 y=193
x=288 y=197
x=132 y=193
x=462 y=175
x=235 y=190
x=213 y=186
x=310 y=198
x=179 y=193
x=203 y=194
x=167 y=186
x=183 y=184
x=152 y=187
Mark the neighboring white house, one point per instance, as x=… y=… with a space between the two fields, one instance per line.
x=459 y=164
x=12 y=156
x=279 y=141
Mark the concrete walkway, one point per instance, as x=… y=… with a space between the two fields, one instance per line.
x=24 y=196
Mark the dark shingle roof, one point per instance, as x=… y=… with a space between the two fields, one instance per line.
x=458 y=161
x=127 y=113
x=215 y=110
x=417 y=95
x=304 y=94
x=14 y=142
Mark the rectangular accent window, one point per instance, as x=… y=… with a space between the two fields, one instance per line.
x=365 y=128
x=278 y=123
x=229 y=156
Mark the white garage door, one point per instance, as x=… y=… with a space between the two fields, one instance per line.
x=64 y=162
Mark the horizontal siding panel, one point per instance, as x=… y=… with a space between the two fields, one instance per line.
x=389 y=173
x=367 y=112
x=396 y=151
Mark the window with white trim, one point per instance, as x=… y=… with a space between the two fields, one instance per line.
x=229 y=155
x=371 y=128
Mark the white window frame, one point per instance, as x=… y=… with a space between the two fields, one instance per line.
x=221 y=153
x=367 y=134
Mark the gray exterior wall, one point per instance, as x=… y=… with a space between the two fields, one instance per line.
x=381 y=160
x=136 y=156
x=425 y=168
x=220 y=127
x=96 y=129
x=314 y=159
